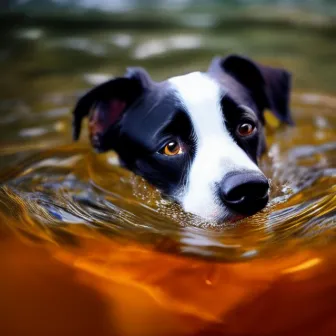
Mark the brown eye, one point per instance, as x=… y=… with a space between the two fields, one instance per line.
x=172 y=148
x=246 y=129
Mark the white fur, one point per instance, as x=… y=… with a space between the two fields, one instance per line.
x=216 y=154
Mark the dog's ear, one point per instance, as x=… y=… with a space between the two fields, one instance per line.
x=106 y=103
x=270 y=87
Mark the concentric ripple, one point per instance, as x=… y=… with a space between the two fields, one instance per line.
x=69 y=186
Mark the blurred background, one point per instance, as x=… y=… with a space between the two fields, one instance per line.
x=120 y=5
x=164 y=34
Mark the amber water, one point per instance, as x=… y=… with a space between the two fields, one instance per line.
x=86 y=248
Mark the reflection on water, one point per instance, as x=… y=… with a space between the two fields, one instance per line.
x=88 y=248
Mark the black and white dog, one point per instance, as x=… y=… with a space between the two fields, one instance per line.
x=196 y=137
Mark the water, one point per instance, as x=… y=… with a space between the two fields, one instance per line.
x=87 y=248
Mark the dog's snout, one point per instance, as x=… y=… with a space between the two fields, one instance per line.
x=245 y=193
x=238 y=186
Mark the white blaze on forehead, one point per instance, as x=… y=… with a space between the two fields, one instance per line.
x=216 y=151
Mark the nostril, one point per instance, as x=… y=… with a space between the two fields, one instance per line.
x=249 y=189
x=261 y=189
x=236 y=194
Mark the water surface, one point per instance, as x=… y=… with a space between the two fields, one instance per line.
x=88 y=248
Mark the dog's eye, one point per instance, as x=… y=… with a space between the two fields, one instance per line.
x=172 y=148
x=246 y=129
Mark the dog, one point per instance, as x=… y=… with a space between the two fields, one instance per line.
x=195 y=137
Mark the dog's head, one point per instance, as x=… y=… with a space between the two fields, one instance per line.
x=196 y=137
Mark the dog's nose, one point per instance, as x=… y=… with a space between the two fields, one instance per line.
x=245 y=193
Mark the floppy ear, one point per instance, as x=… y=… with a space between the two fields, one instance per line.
x=270 y=87
x=106 y=103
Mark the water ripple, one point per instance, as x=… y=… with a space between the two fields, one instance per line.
x=59 y=189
